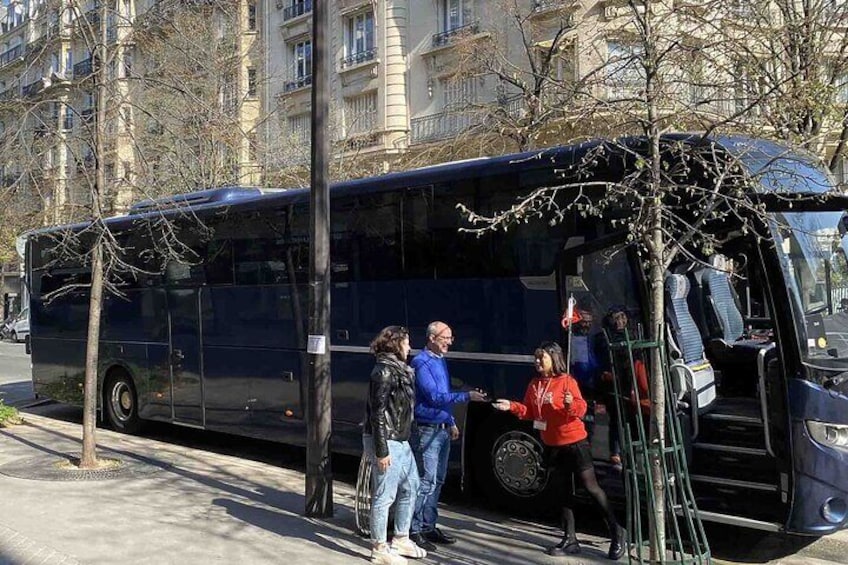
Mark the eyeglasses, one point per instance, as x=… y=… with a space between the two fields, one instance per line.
x=446 y=338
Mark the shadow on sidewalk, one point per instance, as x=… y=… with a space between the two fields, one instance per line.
x=286 y=521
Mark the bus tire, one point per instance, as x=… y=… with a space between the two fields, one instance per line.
x=120 y=402
x=510 y=466
x=14 y=337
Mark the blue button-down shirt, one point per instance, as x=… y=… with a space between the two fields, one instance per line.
x=433 y=397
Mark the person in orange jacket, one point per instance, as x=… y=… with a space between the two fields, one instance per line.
x=554 y=403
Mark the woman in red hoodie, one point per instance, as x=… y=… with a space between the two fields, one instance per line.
x=554 y=403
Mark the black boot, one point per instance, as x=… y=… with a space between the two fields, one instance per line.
x=567 y=546
x=618 y=542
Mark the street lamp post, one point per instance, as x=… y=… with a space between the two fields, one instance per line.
x=319 y=478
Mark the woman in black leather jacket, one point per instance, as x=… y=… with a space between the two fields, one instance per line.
x=388 y=421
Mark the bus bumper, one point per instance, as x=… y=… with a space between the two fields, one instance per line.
x=820 y=494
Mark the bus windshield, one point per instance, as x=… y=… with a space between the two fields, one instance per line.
x=813 y=249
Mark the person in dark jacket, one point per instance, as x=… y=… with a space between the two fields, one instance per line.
x=388 y=421
x=435 y=427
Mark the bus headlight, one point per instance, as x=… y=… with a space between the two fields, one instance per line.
x=829 y=435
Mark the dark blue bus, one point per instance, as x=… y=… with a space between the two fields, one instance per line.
x=218 y=340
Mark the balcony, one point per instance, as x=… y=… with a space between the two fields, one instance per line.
x=83 y=69
x=33 y=88
x=297 y=9
x=452 y=35
x=297 y=83
x=12 y=55
x=443 y=125
x=9 y=94
x=359 y=58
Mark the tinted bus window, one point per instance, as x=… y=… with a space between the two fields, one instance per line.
x=366 y=238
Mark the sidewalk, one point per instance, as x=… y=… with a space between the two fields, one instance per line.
x=192 y=506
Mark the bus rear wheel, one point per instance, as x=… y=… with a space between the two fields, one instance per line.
x=510 y=467
x=121 y=403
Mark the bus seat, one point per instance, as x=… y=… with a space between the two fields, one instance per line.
x=723 y=298
x=692 y=374
x=686 y=334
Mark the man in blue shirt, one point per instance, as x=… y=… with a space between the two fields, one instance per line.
x=435 y=428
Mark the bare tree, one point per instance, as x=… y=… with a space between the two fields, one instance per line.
x=141 y=124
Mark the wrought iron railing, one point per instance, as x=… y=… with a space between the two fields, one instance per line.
x=443 y=125
x=32 y=88
x=451 y=35
x=298 y=82
x=542 y=5
x=83 y=69
x=297 y=9
x=11 y=55
x=358 y=58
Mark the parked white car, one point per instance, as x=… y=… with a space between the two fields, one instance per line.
x=20 y=327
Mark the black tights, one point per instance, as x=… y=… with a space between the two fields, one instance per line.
x=590 y=483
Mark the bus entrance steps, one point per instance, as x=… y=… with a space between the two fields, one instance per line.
x=685 y=539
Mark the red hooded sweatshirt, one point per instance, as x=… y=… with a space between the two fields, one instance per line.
x=544 y=401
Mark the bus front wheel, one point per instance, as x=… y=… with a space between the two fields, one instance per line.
x=121 y=403
x=510 y=466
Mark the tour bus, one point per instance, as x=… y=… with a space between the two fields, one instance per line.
x=216 y=338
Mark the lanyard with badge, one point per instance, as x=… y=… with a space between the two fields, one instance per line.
x=541 y=424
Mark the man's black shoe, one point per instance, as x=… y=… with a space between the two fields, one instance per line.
x=438 y=536
x=422 y=542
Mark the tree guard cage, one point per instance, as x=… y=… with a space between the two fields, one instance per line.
x=686 y=542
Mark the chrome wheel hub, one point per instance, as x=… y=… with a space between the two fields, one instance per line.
x=518 y=460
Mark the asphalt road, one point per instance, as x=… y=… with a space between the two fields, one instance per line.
x=15 y=376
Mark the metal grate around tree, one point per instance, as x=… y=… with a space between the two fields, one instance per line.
x=686 y=541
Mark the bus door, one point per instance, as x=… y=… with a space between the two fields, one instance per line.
x=599 y=274
x=186 y=369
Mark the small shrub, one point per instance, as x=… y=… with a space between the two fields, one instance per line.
x=9 y=415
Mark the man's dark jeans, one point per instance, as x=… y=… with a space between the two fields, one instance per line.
x=431 y=446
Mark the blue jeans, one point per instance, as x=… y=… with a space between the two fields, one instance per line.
x=432 y=448
x=400 y=481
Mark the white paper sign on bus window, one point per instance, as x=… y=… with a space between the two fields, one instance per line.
x=316 y=344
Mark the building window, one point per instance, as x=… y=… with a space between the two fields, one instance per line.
x=300 y=54
x=360 y=114
x=251 y=146
x=359 y=39
x=297 y=8
x=842 y=88
x=251 y=82
x=251 y=15
x=459 y=92
x=625 y=76
x=456 y=14
x=300 y=129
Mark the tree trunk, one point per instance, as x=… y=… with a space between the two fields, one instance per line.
x=657 y=429
x=3 y=313
x=92 y=352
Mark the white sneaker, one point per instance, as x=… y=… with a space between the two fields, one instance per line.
x=406 y=547
x=387 y=556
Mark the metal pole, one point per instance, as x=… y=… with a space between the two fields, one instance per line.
x=319 y=478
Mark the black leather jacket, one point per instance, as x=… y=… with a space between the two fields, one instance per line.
x=391 y=399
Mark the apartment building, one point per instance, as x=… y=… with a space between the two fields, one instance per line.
x=48 y=97
x=409 y=75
